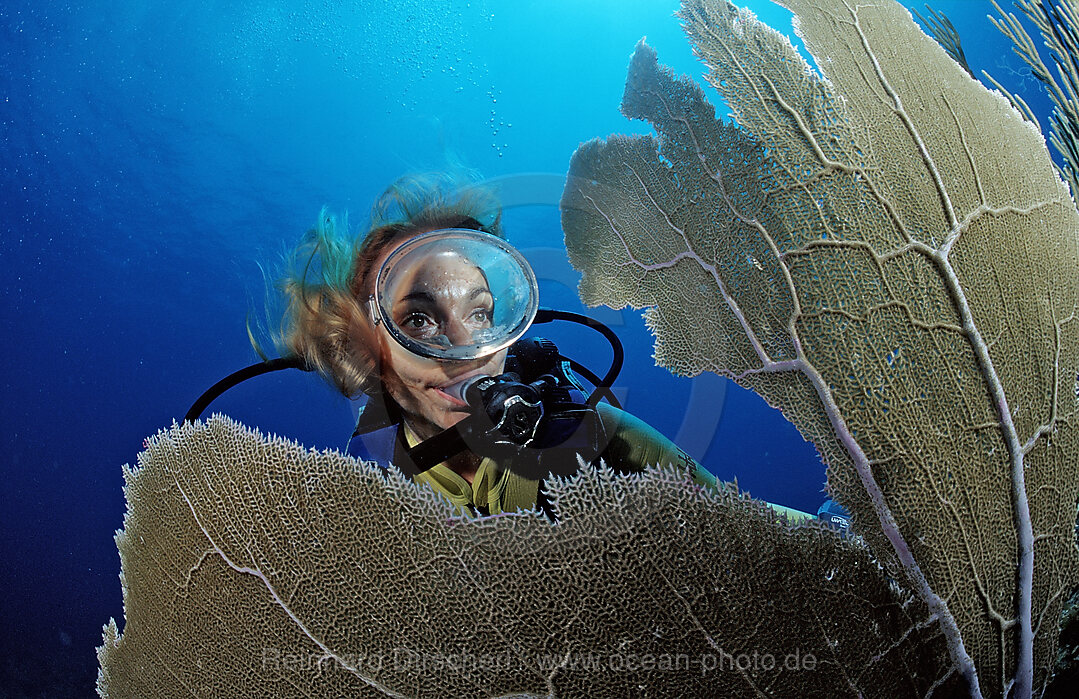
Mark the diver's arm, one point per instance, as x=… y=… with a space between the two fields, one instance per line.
x=634 y=445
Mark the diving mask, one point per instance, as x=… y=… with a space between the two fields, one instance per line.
x=455 y=294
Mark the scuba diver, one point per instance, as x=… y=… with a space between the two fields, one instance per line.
x=462 y=401
x=426 y=315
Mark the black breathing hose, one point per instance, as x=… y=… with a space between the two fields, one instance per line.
x=603 y=386
x=543 y=315
x=242 y=375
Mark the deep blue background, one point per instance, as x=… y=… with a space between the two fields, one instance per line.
x=153 y=158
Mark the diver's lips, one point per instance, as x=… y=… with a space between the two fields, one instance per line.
x=453 y=401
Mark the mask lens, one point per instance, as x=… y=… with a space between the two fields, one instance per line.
x=456 y=294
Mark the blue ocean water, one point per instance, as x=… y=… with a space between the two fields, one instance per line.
x=153 y=156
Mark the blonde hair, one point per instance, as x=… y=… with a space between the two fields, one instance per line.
x=328 y=277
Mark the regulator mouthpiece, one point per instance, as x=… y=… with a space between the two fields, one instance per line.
x=459 y=390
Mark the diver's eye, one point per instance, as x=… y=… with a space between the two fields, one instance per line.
x=480 y=316
x=418 y=324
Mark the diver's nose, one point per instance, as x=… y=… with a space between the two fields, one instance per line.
x=457 y=332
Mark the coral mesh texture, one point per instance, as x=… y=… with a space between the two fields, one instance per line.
x=255 y=568
x=886 y=254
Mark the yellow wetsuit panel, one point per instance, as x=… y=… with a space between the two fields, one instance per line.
x=493 y=489
x=633 y=446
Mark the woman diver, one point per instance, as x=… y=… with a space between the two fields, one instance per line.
x=425 y=315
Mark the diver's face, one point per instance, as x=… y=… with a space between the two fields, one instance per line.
x=444 y=301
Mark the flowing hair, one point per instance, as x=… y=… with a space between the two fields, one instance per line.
x=328 y=276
